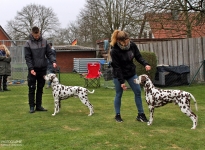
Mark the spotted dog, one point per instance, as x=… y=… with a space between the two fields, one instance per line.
x=156 y=97
x=61 y=92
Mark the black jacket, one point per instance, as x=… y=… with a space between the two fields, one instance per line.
x=122 y=61
x=36 y=54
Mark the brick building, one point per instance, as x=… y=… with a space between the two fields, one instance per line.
x=4 y=37
x=65 y=55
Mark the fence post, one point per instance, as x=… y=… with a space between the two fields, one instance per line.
x=204 y=69
x=202 y=64
x=59 y=74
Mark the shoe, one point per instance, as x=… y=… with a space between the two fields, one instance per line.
x=32 y=110
x=118 y=118
x=41 y=109
x=6 y=90
x=141 y=117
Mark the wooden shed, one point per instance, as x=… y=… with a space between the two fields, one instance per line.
x=65 y=55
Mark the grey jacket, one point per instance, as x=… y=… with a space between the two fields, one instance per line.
x=37 y=52
x=5 y=65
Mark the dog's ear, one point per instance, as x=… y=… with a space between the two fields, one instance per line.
x=53 y=76
x=143 y=79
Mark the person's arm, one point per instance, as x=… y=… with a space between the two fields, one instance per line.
x=2 y=58
x=8 y=59
x=139 y=57
x=51 y=56
x=5 y=59
x=28 y=57
x=116 y=66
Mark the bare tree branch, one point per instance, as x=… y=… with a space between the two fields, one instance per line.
x=32 y=15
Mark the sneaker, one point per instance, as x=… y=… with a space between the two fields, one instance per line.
x=141 y=117
x=118 y=118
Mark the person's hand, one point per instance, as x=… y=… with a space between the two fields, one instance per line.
x=123 y=86
x=54 y=65
x=147 y=67
x=33 y=72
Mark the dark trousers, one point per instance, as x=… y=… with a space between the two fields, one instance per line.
x=35 y=86
x=4 y=82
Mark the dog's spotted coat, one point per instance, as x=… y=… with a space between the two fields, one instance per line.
x=156 y=97
x=61 y=92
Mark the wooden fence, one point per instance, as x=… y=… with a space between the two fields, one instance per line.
x=190 y=52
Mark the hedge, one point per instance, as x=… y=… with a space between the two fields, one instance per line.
x=151 y=58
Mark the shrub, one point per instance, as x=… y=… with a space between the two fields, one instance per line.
x=151 y=58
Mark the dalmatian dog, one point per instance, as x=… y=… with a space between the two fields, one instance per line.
x=61 y=92
x=156 y=97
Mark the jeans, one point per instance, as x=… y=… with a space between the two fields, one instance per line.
x=119 y=91
x=49 y=71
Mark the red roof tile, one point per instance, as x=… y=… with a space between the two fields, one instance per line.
x=164 y=25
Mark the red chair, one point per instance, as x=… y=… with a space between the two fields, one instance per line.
x=92 y=78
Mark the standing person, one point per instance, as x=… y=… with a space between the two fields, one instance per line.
x=50 y=68
x=123 y=51
x=36 y=53
x=5 y=67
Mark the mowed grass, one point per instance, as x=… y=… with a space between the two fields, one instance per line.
x=72 y=129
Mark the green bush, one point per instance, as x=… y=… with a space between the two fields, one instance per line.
x=151 y=58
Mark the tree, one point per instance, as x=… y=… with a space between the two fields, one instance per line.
x=32 y=15
x=67 y=35
x=100 y=18
x=187 y=14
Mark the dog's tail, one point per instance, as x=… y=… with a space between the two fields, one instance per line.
x=91 y=91
x=195 y=103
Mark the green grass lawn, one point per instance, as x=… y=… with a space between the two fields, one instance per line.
x=71 y=128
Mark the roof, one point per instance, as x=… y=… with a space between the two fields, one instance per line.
x=165 y=25
x=9 y=38
x=63 y=48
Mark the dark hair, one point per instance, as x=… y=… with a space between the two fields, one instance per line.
x=50 y=44
x=35 y=30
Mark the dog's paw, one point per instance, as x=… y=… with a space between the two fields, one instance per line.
x=53 y=114
x=90 y=115
x=193 y=128
x=149 y=123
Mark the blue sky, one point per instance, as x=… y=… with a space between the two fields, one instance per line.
x=66 y=10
